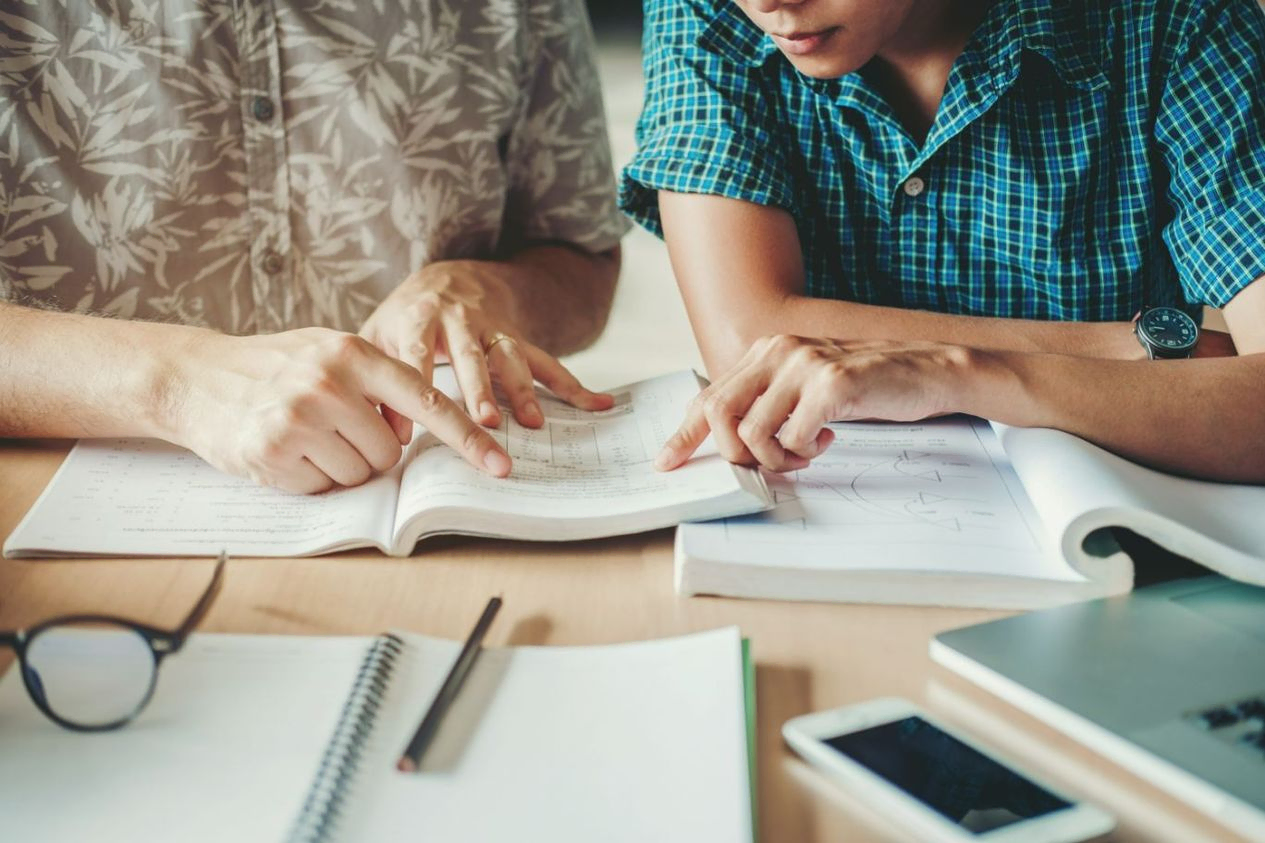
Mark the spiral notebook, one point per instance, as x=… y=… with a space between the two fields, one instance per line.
x=286 y=738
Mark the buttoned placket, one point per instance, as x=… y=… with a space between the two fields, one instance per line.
x=267 y=171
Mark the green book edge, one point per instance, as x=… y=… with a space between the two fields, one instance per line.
x=748 y=686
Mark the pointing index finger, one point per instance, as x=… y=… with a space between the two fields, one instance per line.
x=685 y=441
x=403 y=389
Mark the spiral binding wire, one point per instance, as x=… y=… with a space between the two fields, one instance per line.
x=318 y=819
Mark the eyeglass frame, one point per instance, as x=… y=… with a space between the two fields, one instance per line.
x=162 y=643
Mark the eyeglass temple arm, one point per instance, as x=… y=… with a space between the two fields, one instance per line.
x=204 y=602
x=9 y=638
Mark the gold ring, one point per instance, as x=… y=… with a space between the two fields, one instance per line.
x=499 y=336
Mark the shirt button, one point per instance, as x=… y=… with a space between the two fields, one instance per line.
x=915 y=186
x=273 y=263
x=263 y=109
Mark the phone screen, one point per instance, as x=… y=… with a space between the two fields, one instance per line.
x=946 y=775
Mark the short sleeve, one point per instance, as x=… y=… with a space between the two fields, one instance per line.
x=562 y=181
x=1210 y=129
x=707 y=123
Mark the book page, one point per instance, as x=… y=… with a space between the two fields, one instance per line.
x=937 y=496
x=579 y=465
x=225 y=750
x=1079 y=488
x=624 y=743
x=147 y=497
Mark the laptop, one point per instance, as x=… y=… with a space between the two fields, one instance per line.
x=1168 y=682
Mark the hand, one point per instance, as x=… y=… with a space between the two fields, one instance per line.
x=462 y=312
x=299 y=410
x=772 y=408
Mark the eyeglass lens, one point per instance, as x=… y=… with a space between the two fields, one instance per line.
x=90 y=673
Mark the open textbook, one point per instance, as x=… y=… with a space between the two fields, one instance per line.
x=959 y=512
x=583 y=475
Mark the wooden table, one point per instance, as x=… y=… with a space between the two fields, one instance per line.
x=808 y=656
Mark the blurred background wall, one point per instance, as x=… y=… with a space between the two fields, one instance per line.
x=648 y=333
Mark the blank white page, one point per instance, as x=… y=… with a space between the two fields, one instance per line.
x=225 y=751
x=631 y=742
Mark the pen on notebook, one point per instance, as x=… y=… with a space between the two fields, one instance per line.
x=411 y=760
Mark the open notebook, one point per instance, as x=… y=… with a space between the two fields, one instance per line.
x=280 y=738
x=959 y=512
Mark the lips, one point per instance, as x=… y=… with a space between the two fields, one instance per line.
x=803 y=43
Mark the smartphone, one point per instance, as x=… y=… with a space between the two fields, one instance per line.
x=934 y=781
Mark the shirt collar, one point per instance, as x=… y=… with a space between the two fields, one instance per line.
x=731 y=34
x=1056 y=31
x=1053 y=30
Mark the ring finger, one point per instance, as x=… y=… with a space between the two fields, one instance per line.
x=509 y=366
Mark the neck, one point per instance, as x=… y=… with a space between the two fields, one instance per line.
x=911 y=69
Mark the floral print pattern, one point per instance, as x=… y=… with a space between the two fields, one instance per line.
x=256 y=165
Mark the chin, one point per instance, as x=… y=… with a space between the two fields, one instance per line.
x=824 y=67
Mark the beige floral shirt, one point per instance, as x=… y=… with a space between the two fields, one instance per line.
x=255 y=165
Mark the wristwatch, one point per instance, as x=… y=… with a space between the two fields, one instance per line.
x=1166 y=332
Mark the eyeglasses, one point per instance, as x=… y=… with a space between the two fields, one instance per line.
x=93 y=673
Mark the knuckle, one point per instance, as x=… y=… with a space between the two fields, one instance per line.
x=783 y=343
x=716 y=404
x=358 y=473
x=519 y=392
x=422 y=309
x=470 y=351
x=317 y=382
x=834 y=370
x=431 y=400
x=260 y=461
x=386 y=456
x=473 y=441
x=345 y=348
x=417 y=351
x=794 y=440
x=804 y=355
x=299 y=409
x=749 y=429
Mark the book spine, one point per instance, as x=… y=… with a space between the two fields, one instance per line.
x=319 y=817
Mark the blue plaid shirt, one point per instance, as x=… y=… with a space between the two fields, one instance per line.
x=1088 y=156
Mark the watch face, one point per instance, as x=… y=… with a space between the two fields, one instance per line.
x=1169 y=328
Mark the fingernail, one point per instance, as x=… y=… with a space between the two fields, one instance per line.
x=665 y=459
x=533 y=413
x=497 y=463
x=488 y=411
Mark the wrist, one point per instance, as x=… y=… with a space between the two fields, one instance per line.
x=997 y=384
x=165 y=381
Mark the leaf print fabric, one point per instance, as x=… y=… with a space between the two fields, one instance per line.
x=257 y=165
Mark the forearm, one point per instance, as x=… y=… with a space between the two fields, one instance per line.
x=563 y=295
x=849 y=320
x=68 y=375
x=742 y=277
x=1202 y=418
